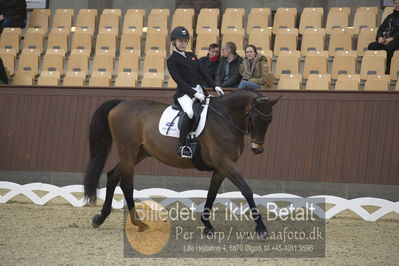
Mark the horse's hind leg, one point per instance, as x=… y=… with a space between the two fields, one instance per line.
x=216 y=181
x=113 y=178
x=128 y=188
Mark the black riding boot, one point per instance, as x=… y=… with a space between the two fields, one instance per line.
x=183 y=150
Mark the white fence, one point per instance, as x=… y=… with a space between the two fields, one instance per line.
x=340 y=204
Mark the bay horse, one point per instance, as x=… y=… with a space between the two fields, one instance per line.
x=133 y=126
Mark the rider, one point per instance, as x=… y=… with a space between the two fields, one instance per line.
x=186 y=71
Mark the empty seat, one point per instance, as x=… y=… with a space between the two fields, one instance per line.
x=207 y=20
x=53 y=63
x=289 y=82
x=57 y=43
x=128 y=63
x=365 y=17
x=106 y=44
x=34 y=42
x=286 y=40
x=8 y=56
x=78 y=63
x=86 y=22
x=48 y=78
x=313 y=40
x=126 y=79
x=284 y=18
x=160 y=11
x=261 y=38
x=315 y=63
x=74 y=79
x=91 y=11
x=10 y=40
x=62 y=21
x=109 y=23
x=140 y=12
x=21 y=79
x=28 y=64
x=377 y=83
x=311 y=18
x=318 y=82
x=133 y=23
x=154 y=64
x=69 y=11
x=103 y=63
x=157 y=23
x=373 y=63
x=203 y=42
x=340 y=40
x=394 y=70
x=156 y=43
x=43 y=11
x=366 y=36
x=183 y=17
x=82 y=43
x=39 y=20
x=347 y=82
x=130 y=44
x=338 y=17
x=232 y=22
x=287 y=63
x=257 y=21
x=387 y=10
x=100 y=79
x=152 y=80
x=344 y=63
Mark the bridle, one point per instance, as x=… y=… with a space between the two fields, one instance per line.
x=249 y=117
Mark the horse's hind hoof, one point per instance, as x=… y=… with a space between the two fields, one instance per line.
x=209 y=231
x=97 y=220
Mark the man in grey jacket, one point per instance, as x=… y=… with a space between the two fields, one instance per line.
x=228 y=72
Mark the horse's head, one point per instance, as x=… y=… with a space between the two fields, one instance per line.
x=259 y=118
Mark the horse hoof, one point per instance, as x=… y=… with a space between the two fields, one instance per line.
x=262 y=233
x=97 y=221
x=209 y=231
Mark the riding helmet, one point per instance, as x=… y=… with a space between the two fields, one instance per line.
x=179 y=32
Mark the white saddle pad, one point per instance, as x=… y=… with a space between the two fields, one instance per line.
x=167 y=118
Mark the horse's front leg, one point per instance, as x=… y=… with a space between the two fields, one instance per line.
x=216 y=181
x=230 y=170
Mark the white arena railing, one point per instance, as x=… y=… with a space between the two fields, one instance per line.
x=184 y=197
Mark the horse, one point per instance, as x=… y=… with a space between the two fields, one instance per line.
x=133 y=127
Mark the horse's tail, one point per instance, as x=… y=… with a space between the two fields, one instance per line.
x=100 y=144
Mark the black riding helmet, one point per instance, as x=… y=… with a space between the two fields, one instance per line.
x=179 y=32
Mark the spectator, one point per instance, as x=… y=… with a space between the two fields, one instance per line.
x=253 y=69
x=211 y=61
x=388 y=35
x=228 y=72
x=12 y=14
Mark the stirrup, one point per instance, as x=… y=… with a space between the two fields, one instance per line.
x=184 y=152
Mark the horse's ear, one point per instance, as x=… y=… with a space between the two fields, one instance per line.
x=275 y=100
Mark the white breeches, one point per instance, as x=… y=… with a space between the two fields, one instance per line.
x=186 y=104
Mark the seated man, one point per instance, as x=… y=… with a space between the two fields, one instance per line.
x=388 y=35
x=228 y=72
x=211 y=61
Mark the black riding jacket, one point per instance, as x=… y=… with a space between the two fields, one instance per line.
x=391 y=23
x=187 y=72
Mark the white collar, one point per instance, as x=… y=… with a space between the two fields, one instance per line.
x=182 y=53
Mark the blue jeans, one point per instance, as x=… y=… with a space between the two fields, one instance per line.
x=13 y=22
x=248 y=84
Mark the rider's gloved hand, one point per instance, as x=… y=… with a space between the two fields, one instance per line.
x=199 y=96
x=219 y=90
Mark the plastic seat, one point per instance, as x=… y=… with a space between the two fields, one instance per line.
x=261 y=38
x=130 y=44
x=347 y=82
x=183 y=17
x=285 y=18
x=337 y=18
x=8 y=56
x=207 y=20
x=69 y=11
x=57 y=43
x=366 y=36
x=377 y=83
x=157 y=23
x=82 y=43
x=156 y=44
x=318 y=82
x=154 y=64
x=365 y=17
x=152 y=80
x=109 y=23
x=315 y=63
x=39 y=20
x=373 y=63
x=133 y=23
x=105 y=44
x=340 y=40
x=10 y=40
x=394 y=70
x=203 y=42
x=74 y=79
x=313 y=40
x=257 y=21
x=387 y=10
x=290 y=82
x=34 y=41
x=86 y=22
x=344 y=63
x=160 y=11
x=287 y=63
x=311 y=18
x=103 y=63
x=28 y=64
x=116 y=11
x=286 y=40
x=232 y=21
x=62 y=22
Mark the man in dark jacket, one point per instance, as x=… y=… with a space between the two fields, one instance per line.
x=228 y=72
x=12 y=14
x=388 y=35
x=211 y=61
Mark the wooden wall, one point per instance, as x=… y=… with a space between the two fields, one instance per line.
x=315 y=136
